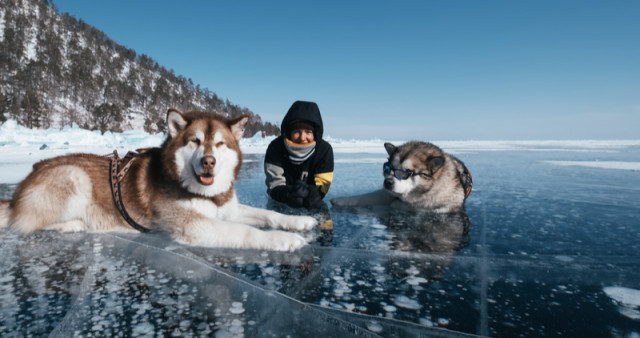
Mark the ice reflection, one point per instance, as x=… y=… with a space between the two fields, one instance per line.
x=428 y=232
x=436 y=236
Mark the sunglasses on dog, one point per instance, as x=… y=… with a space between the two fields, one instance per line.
x=399 y=173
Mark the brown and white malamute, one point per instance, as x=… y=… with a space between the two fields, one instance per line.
x=418 y=175
x=185 y=187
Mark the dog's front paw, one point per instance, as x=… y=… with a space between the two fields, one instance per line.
x=284 y=241
x=291 y=222
x=301 y=223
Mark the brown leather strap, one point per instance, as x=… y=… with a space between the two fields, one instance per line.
x=466 y=194
x=465 y=181
x=115 y=177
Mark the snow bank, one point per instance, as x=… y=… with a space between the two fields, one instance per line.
x=14 y=135
x=20 y=147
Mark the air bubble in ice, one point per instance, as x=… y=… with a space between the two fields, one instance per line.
x=443 y=321
x=416 y=280
x=390 y=308
x=236 y=308
x=374 y=327
x=406 y=303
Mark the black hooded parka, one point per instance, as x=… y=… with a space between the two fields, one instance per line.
x=282 y=173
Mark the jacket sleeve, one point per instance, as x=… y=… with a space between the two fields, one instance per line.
x=273 y=170
x=275 y=176
x=324 y=170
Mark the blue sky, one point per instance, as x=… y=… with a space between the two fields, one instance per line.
x=424 y=70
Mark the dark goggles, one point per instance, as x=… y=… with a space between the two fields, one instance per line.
x=399 y=173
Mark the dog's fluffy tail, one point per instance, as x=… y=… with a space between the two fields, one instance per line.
x=5 y=211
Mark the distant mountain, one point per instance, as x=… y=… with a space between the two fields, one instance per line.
x=56 y=70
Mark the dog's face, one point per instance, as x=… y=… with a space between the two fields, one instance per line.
x=411 y=169
x=205 y=150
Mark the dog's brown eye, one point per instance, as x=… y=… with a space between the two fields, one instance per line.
x=219 y=144
x=195 y=140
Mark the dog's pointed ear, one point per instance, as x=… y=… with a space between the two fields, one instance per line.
x=434 y=163
x=175 y=122
x=238 y=125
x=391 y=149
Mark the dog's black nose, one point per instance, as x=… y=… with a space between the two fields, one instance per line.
x=388 y=182
x=208 y=162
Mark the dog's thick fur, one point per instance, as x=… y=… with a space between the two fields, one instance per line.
x=185 y=187
x=442 y=189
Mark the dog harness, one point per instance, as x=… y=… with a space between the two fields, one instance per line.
x=115 y=177
x=466 y=182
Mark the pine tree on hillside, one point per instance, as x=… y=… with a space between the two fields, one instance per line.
x=4 y=107
x=107 y=116
x=31 y=110
x=57 y=70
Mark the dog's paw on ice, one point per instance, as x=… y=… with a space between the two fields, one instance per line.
x=306 y=222
x=69 y=226
x=298 y=223
x=285 y=241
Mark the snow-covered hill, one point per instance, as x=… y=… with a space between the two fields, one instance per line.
x=56 y=70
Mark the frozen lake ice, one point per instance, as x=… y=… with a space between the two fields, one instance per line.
x=552 y=248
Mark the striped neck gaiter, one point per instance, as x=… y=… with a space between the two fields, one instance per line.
x=299 y=153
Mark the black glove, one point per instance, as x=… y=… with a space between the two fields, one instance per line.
x=300 y=189
x=292 y=195
x=314 y=199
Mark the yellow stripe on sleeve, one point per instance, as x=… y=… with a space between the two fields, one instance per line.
x=323 y=180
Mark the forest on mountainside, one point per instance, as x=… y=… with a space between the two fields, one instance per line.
x=56 y=70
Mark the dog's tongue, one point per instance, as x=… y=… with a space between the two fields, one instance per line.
x=206 y=179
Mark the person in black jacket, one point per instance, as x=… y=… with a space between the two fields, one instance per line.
x=299 y=163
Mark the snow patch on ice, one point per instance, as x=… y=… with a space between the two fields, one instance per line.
x=627 y=299
x=380 y=160
x=599 y=164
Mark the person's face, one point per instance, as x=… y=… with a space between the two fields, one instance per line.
x=302 y=136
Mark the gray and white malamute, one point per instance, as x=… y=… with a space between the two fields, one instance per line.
x=418 y=175
x=185 y=187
